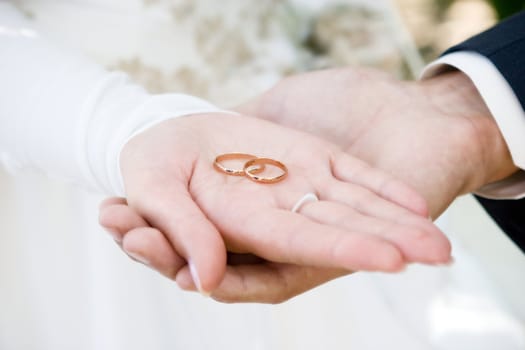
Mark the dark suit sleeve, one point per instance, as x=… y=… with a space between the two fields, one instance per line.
x=504 y=46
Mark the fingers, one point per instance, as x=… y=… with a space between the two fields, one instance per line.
x=150 y=247
x=437 y=246
x=353 y=170
x=112 y=201
x=286 y=237
x=265 y=283
x=188 y=230
x=369 y=203
x=117 y=218
x=141 y=242
x=417 y=244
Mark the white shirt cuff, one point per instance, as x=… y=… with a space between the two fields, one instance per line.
x=505 y=108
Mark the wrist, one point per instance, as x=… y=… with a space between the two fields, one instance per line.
x=483 y=153
x=172 y=111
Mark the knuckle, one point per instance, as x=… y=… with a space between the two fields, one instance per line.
x=417 y=234
x=339 y=250
x=361 y=199
x=394 y=263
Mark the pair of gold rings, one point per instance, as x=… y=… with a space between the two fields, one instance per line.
x=252 y=168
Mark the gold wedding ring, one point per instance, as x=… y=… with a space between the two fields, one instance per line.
x=262 y=162
x=233 y=156
x=252 y=167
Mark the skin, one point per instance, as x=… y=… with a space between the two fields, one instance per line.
x=439 y=127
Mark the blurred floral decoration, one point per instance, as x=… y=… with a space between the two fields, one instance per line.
x=236 y=49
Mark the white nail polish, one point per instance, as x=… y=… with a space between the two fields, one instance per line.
x=139 y=258
x=196 y=279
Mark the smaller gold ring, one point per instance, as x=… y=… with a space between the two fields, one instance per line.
x=217 y=164
x=252 y=173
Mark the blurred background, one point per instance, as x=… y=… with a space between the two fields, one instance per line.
x=64 y=284
x=451 y=21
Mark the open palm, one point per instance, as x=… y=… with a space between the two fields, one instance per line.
x=361 y=221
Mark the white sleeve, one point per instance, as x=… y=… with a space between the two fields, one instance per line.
x=68 y=117
x=505 y=108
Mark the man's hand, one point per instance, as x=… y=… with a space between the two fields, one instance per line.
x=436 y=135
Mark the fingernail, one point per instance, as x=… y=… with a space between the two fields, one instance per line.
x=196 y=279
x=139 y=258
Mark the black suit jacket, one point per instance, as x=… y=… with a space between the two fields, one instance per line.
x=504 y=46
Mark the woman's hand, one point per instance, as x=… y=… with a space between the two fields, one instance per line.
x=364 y=220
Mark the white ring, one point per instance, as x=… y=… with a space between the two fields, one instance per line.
x=309 y=197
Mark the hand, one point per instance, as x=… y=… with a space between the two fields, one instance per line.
x=356 y=225
x=436 y=135
x=247 y=278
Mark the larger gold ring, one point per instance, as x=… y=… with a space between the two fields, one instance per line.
x=233 y=156
x=252 y=168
